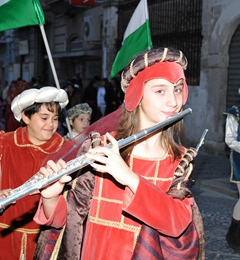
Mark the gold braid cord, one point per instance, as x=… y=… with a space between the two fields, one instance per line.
x=180 y=186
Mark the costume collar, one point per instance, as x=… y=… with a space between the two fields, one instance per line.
x=51 y=146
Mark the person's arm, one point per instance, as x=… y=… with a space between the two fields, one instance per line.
x=110 y=160
x=154 y=207
x=58 y=217
x=51 y=193
x=231 y=133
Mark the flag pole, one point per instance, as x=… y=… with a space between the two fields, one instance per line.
x=147 y=16
x=54 y=74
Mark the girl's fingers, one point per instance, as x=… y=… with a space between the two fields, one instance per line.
x=114 y=142
x=65 y=179
x=61 y=163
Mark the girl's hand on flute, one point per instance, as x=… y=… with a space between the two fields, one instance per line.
x=50 y=194
x=111 y=162
x=4 y=193
x=55 y=189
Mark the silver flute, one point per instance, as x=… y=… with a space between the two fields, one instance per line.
x=38 y=181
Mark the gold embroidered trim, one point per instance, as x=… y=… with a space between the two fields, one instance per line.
x=99 y=197
x=135 y=240
x=131 y=69
x=186 y=177
x=146 y=59
x=189 y=172
x=57 y=245
x=114 y=224
x=25 y=231
x=95 y=139
x=164 y=54
x=157 y=179
x=180 y=57
x=35 y=146
x=22 y=230
x=107 y=200
x=152 y=158
x=185 y=160
x=181 y=168
x=178 y=174
x=154 y=178
x=23 y=250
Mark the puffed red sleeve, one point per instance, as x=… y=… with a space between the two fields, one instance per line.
x=58 y=217
x=154 y=207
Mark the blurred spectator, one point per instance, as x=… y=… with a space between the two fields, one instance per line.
x=113 y=96
x=36 y=82
x=79 y=118
x=90 y=97
x=15 y=88
x=101 y=96
x=4 y=97
x=4 y=93
x=74 y=95
x=10 y=121
x=22 y=85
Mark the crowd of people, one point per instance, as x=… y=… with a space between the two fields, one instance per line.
x=102 y=95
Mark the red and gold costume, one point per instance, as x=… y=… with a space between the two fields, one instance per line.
x=20 y=160
x=116 y=214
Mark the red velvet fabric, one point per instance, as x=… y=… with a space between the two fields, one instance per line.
x=170 y=71
x=116 y=214
x=19 y=161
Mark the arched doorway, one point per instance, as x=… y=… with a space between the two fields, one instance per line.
x=233 y=83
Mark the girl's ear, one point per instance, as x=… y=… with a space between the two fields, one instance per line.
x=25 y=119
x=71 y=122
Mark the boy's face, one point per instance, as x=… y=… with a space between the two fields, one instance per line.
x=42 y=125
x=80 y=123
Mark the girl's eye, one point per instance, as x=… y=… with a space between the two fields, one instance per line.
x=179 y=89
x=44 y=118
x=160 y=91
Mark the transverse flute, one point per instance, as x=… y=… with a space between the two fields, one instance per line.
x=37 y=182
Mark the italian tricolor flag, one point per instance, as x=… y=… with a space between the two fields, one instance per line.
x=136 y=38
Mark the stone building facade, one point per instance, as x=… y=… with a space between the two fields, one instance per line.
x=219 y=82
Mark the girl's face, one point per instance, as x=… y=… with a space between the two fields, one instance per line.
x=80 y=123
x=41 y=126
x=161 y=99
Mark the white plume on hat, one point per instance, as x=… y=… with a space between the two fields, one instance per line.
x=42 y=95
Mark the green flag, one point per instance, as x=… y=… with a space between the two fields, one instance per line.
x=136 y=38
x=20 y=13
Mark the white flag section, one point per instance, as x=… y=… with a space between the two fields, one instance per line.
x=2 y=2
x=137 y=38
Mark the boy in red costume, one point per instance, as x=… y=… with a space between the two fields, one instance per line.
x=22 y=153
x=132 y=186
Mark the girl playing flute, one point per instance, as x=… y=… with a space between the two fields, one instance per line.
x=130 y=189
